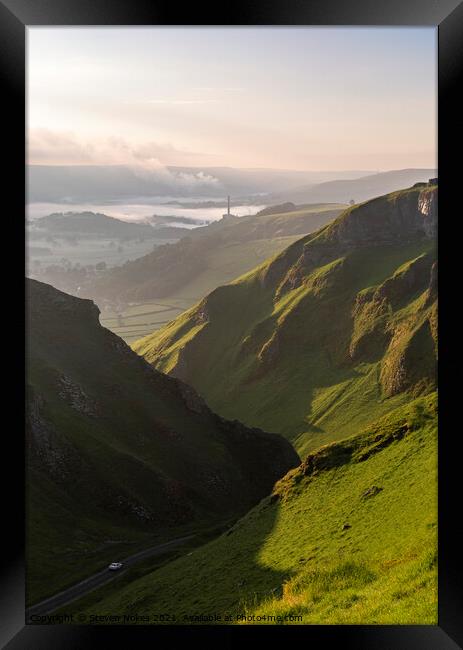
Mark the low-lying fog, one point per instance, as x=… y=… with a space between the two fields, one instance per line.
x=138 y=211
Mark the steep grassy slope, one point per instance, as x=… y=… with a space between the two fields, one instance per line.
x=347 y=537
x=117 y=451
x=175 y=267
x=330 y=334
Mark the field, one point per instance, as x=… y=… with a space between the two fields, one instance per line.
x=89 y=251
x=139 y=319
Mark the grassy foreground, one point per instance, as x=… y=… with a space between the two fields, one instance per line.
x=348 y=537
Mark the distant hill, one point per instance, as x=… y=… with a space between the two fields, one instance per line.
x=278 y=209
x=327 y=336
x=358 y=189
x=118 y=453
x=99 y=183
x=94 y=225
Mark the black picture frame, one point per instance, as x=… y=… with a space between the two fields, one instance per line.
x=447 y=16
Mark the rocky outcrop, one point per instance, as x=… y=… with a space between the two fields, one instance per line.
x=45 y=447
x=410 y=363
x=359 y=448
x=401 y=216
x=73 y=394
x=371 y=328
x=427 y=207
x=396 y=218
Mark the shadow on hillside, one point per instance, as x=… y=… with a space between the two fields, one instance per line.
x=241 y=576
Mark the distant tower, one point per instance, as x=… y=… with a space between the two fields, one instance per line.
x=228 y=213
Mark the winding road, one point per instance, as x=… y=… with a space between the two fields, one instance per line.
x=98 y=579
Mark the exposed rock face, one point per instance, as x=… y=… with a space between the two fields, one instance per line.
x=413 y=278
x=410 y=362
x=202 y=315
x=372 y=331
x=427 y=206
x=45 y=448
x=397 y=218
x=76 y=397
x=402 y=216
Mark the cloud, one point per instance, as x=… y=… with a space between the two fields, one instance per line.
x=46 y=146
x=148 y=160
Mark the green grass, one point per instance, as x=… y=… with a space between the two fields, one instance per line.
x=311 y=391
x=216 y=255
x=223 y=265
x=349 y=537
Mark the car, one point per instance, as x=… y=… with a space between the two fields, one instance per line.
x=115 y=566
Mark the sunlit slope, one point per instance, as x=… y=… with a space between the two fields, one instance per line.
x=348 y=537
x=335 y=331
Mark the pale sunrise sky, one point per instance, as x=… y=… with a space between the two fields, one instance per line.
x=287 y=98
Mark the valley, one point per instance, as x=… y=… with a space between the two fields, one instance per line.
x=328 y=343
x=232 y=332
x=175 y=276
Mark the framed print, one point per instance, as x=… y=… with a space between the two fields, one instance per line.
x=230 y=242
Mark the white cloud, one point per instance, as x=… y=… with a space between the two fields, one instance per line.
x=147 y=160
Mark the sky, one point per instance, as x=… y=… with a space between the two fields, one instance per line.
x=304 y=98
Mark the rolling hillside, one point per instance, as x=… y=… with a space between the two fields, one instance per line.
x=349 y=537
x=175 y=276
x=175 y=267
x=118 y=454
x=332 y=333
